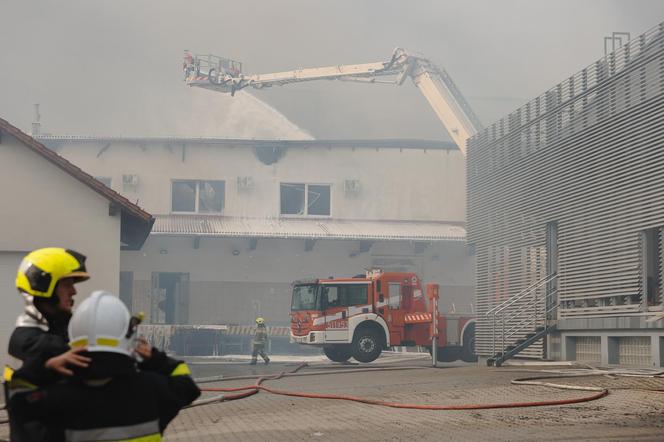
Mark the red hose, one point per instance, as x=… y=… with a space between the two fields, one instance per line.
x=253 y=389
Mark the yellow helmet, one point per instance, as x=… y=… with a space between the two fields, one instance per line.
x=41 y=270
x=260 y=321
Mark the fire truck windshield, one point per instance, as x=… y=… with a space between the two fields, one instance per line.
x=306 y=297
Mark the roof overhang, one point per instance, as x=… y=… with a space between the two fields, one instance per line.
x=218 y=226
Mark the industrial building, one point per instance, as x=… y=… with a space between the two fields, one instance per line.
x=566 y=215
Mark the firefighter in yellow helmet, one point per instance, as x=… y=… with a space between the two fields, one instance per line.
x=259 y=342
x=110 y=399
x=46 y=279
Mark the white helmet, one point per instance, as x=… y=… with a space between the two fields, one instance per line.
x=101 y=323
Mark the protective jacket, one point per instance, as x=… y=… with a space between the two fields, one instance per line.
x=112 y=399
x=34 y=340
x=260 y=338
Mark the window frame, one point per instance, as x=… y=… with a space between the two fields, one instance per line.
x=197 y=197
x=306 y=200
x=342 y=292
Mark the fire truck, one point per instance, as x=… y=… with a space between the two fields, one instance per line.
x=360 y=317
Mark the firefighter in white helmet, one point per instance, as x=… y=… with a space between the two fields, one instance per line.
x=259 y=342
x=112 y=398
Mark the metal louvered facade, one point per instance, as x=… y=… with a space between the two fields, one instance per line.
x=586 y=158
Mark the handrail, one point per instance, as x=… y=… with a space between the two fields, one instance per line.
x=532 y=311
x=521 y=294
x=528 y=318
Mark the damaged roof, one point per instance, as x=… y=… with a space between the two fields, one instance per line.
x=136 y=223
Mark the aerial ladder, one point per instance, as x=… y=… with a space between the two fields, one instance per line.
x=224 y=75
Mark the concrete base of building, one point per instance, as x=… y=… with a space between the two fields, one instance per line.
x=622 y=347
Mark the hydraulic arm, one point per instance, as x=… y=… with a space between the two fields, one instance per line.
x=224 y=75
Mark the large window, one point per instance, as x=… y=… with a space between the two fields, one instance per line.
x=305 y=199
x=197 y=196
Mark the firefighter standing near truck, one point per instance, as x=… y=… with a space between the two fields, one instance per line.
x=46 y=279
x=259 y=342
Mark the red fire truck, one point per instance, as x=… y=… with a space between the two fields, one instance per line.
x=359 y=317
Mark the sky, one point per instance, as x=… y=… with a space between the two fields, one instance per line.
x=102 y=67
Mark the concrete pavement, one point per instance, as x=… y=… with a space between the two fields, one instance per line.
x=632 y=411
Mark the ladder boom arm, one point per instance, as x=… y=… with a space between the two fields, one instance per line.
x=451 y=108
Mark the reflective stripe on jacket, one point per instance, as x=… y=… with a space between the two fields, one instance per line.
x=145 y=432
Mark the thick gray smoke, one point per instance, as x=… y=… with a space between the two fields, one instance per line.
x=113 y=67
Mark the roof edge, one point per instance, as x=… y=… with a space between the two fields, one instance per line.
x=126 y=206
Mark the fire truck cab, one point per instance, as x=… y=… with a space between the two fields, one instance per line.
x=359 y=317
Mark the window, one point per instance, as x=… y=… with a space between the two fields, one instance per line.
x=305 y=297
x=394 y=295
x=197 y=196
x=184 y=196
x=305 y=199
x=332 y=297
x=345 y=295
x=356 y=294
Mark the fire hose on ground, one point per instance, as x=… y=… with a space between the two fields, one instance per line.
x=249 y=390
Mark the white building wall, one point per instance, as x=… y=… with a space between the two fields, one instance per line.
x=409 y=184
x=43 y=206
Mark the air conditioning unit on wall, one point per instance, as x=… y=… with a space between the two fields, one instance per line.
x=352 y=187
x=129 y=182
x=245 y=183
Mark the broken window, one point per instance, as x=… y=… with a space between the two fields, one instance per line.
x=198 y=196
x=305 y=199
x=292 y=199
x=184 y=196
x=210 y=196
x=318 y=200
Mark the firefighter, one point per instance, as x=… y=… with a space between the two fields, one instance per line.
x=259 y=341
x=111 y=399
x=46 y=279
x=187 y=64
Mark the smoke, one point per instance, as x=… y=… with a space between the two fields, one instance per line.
x=210 y=114
x=113 y=68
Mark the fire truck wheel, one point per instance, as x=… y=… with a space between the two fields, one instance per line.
x=337 y=353
x=468 y=352
x=366 y=345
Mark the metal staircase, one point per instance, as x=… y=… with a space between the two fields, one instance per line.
x=523 y=319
